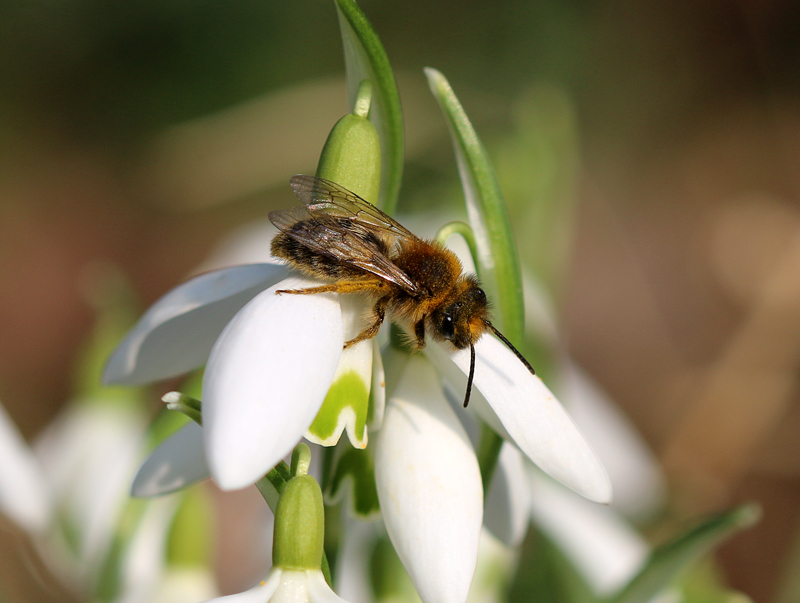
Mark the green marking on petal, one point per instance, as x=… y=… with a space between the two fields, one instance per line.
x=345 y=407
x=357 y=468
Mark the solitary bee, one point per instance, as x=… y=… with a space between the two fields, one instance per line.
x=339 y=237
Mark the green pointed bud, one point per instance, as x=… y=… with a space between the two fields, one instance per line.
x=351 y=156
x=299 y=525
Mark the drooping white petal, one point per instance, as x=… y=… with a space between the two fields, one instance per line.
x=507 y=509
x=429 y=486
x=638 y=480
x=176 y=334
x=266 y=378
x=530 y=413
x=606 y=550
x=24 y=495
x=378 y=391
x=261 y=593
x=177 y=462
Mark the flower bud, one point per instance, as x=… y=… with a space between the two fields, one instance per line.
x=299 y=525
x=351 y=156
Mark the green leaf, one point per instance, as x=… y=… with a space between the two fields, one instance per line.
x=545 y=574
x=666 y=563
x=365 y=58
x=190 y=542
x=498 y=262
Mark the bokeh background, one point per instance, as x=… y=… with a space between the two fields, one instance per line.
x=141 y=133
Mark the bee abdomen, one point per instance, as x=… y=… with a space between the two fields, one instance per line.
x=309 y=261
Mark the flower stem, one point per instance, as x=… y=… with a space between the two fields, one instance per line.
x=463 y=229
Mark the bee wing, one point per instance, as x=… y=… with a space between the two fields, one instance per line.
x=333 y=227
x=323 y=195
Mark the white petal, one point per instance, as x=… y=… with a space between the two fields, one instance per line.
x=261 y=593
x=530 y=413
x=605 y=550
x=177 y=462
x=377 y=398
x=24 y=495
x=507 y=510
x=318 y=589
x=146 y=555
x=266 y=379
x=429 y=486
x=89 y=454
x=176 y=334
x=353 y=575
x=638 y=480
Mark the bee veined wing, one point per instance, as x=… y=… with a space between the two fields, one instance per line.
x=323 y=195
x=333 y=231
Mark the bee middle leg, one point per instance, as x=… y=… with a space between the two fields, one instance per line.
x=372 y=330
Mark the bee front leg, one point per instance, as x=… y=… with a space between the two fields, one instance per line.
x=372 y=330
x=419 y=333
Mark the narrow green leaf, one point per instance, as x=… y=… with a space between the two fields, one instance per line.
x=365 y=58
x=191 y=542
x=670 y=560
x=498 y=261
x=545 y=574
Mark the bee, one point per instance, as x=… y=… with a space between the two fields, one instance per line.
x=339 y=237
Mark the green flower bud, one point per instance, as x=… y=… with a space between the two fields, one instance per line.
x=351 y=156
x=299 y=525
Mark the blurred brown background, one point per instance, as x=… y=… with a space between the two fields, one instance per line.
x=141 y=132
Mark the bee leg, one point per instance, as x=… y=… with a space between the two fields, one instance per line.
x=310 y=290
x=340 y=287
x=419 y=333
x=372 y=330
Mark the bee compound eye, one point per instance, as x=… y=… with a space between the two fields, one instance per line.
x=447 y=327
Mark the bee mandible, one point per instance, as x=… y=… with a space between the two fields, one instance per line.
x=339 y=237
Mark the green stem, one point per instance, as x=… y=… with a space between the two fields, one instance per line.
x=463 y=229
x=488 y=454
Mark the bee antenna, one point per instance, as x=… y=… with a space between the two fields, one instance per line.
x=511 y=347
x=471 y=373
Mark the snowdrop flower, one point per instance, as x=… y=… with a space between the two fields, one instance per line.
x=271 y=360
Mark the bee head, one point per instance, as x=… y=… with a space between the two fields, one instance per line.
x=462 y=318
